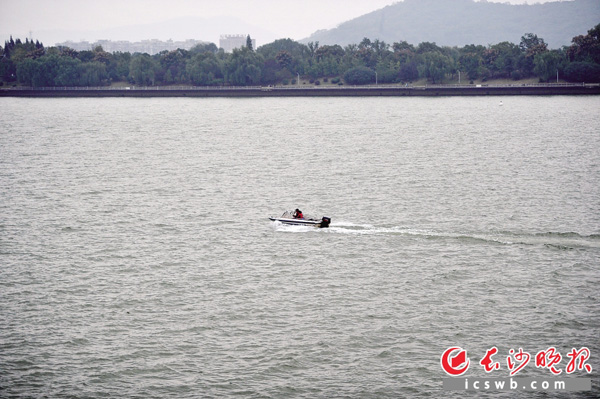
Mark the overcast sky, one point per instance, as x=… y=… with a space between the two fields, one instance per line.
x=295 y=19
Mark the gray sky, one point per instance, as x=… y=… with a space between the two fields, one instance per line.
x=295 y=19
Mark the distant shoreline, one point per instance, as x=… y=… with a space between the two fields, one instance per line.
x=291 y=91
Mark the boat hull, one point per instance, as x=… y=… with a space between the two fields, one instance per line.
x=324 y=222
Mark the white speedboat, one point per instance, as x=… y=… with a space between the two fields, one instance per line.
x=288 y=218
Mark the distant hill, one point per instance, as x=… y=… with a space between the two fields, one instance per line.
x=463 y=22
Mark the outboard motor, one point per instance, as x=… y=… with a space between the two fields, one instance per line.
x=325 y=221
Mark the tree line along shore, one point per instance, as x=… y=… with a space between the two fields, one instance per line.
x=287 y=62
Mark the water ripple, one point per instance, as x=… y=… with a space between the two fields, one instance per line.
x=137 y=260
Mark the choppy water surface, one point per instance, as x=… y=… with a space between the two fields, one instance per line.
x=137 y=258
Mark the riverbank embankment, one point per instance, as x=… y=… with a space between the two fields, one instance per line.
x=313 y=91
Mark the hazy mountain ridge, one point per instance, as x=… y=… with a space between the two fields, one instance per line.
x=462 y=22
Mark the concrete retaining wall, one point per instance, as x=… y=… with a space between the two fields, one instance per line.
x=371 y=91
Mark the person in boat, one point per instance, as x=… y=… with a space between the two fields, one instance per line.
x=298 y=214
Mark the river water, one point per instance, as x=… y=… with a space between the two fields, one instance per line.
x=137 y=258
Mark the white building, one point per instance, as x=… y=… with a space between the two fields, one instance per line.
x=229 y=42
x=151 y=47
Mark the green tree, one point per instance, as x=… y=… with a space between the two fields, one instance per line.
x=428 y=47
x=142 y=69
x=47 y=69
x=284 y=59
x=359 y=76
x=9 y=45
x=26 y=70
x=68 y=72
x=365 y=53
x=471 y=60
x=547 y=64
x=502 y=60
x=335 y=52
x=586 y=48
x=272 y=67
x=312 y=48
x=270 y=72
x=243 y=67
x=435 y=66
x=92 y=74
x=327 y=61
x=404 y=56
x=101 y=56
x=530 y=45
x=583 y=72
x=295 y=49
x=86 y=56
x=172 y=66
x=67 y=52
x=387 y=72
x=205 y=69
x=8 y=69
x=403 y=47
x=408 y=72
x=118 y=68
x=204 y=48
x=38 y=72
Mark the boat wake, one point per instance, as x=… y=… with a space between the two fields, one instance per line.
x=559 y=240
